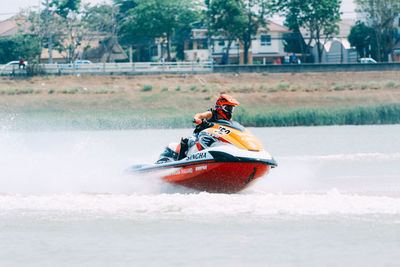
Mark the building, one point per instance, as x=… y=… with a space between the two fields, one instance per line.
x=267 y=46
x=95 y=46
x=335 y=49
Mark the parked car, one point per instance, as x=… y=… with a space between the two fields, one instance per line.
x=16 y=63
x=367 y=60
x=79 y=65
x=11 y=66
x=83 y=62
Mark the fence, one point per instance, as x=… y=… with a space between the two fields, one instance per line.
x=110 y=68
x=186 y=67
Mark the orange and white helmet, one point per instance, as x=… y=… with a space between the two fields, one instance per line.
x=225 y=106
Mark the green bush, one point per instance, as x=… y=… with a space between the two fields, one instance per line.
x=101 y=91
x=147 y=87
x=283 y=86
x=194 y=88
x=24 y=91
x=375 y=86
x=390 y=84
x=12 y=91
x=339 y=87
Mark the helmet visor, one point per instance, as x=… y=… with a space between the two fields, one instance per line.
x=228 y=108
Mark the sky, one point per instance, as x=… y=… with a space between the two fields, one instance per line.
x=11 y=7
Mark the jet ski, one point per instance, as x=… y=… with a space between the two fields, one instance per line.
x=223 y=157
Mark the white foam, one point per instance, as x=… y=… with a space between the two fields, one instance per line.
x=200 y=205
x=347 y=157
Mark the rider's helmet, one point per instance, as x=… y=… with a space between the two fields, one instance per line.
x=225 y=105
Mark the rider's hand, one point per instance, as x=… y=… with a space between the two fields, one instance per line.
x=197 y=121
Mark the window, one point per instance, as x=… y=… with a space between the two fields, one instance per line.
x=265 y=40
x=221 y=43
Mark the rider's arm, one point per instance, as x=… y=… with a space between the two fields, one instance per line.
x=202 y=116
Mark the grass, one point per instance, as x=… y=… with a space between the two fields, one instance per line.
x=177 y=118
x=359 y=115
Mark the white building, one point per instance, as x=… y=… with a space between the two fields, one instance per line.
x=337 y=48
x=267 y=45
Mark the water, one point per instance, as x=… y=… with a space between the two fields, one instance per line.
x=66 y=200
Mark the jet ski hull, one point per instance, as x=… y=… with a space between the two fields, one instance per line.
x=218 y=177
x=219 y=173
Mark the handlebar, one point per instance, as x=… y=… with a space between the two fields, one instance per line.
x=203 y=125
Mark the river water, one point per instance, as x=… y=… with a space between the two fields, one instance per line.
x=66 y=200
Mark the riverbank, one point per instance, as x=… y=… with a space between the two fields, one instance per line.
x=121 y=102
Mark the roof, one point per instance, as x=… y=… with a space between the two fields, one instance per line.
x=275 y=27
x=13 y=25
x=95 y=51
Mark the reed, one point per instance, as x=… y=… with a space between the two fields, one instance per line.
x=360 y=115
x=177 y=118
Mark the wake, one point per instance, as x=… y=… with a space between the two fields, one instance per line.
x=201 y=205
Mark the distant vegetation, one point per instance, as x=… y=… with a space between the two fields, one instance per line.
x=173 y=118
x=384 y=114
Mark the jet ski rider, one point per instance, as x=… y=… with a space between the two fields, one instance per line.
x=223 y=111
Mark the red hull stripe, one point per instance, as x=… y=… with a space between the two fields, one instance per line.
x=218 y=177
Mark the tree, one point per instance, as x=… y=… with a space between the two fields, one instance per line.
x=381 y=15
x=151 y=19
x=66 y=14
x=363 y=38
x=103 y=19
x=64 y=7
x=256 y=12
x=228 y=20
x=23 y=46
x=62 y=21
x=318 y=17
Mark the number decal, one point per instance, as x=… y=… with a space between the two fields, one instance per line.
x=223 y=130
